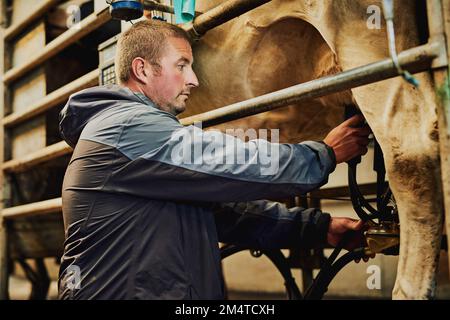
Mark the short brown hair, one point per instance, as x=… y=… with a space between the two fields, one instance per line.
x=145 y=39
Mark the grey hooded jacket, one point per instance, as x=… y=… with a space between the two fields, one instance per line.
x=146 y=200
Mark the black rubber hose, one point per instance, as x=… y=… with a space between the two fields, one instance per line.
x=325 y=276
x=356 y=193
x=317 y=283
x=229 y=249
x=280 y=262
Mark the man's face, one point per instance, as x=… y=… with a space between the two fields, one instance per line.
x=171 y=84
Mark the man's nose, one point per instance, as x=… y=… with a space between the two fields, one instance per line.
x=192 y=79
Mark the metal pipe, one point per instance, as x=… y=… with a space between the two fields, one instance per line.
x=153 y=5
x=388 y=11
x=437 y=30
x=438 y=12
x=220 y=14
x=435 y=18
x=356 y=77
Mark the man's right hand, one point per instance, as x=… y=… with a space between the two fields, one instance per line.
x=348 y=140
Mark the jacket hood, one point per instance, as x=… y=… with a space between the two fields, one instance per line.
x=87 y=104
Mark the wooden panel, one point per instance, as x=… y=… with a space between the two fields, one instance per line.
x=33 y=41
x=17 y=28
x=37 y=237
x=49 y=153
x=28 y=90
x=22 y=9
x=28 y=138
x=3 y=14
x=36 y=230
x=69 y=37
x=56 y=97
x=67 y=15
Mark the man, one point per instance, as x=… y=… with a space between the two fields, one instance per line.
x=144 y=223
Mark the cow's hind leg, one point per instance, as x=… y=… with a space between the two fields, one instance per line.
x=412 y=178
x=405 y=123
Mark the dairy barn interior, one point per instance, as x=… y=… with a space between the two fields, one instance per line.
x=52 y=49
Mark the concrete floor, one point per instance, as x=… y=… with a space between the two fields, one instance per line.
x=20 y=289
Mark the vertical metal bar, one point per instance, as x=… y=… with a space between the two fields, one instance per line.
x=439 y=27
x=436 y=27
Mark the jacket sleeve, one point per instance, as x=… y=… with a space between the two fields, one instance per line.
x=172 y=162
x=267 y=224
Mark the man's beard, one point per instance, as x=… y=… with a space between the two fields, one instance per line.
x=177 y=109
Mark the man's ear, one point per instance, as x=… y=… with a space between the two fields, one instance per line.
x=139 y=70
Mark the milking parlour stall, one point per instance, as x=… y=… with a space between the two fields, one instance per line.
x=271 y=74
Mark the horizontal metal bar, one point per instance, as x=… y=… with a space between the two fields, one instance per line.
x=150 y=5
x=343 y=191
x=46 y=154
x=33 y=209
x=219 y=15
x=418 y=57
x=153 y=5
x=18 y=27
x=69 y=37
x=52 y=99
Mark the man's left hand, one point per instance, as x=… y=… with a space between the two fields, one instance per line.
x=342 y=226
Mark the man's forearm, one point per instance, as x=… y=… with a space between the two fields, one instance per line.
x=268 y=224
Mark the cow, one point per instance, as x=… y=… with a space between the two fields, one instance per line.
x=286 y=42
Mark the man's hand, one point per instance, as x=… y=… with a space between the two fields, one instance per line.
x=348 y=140
x=342 y=226
x=353 y=228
